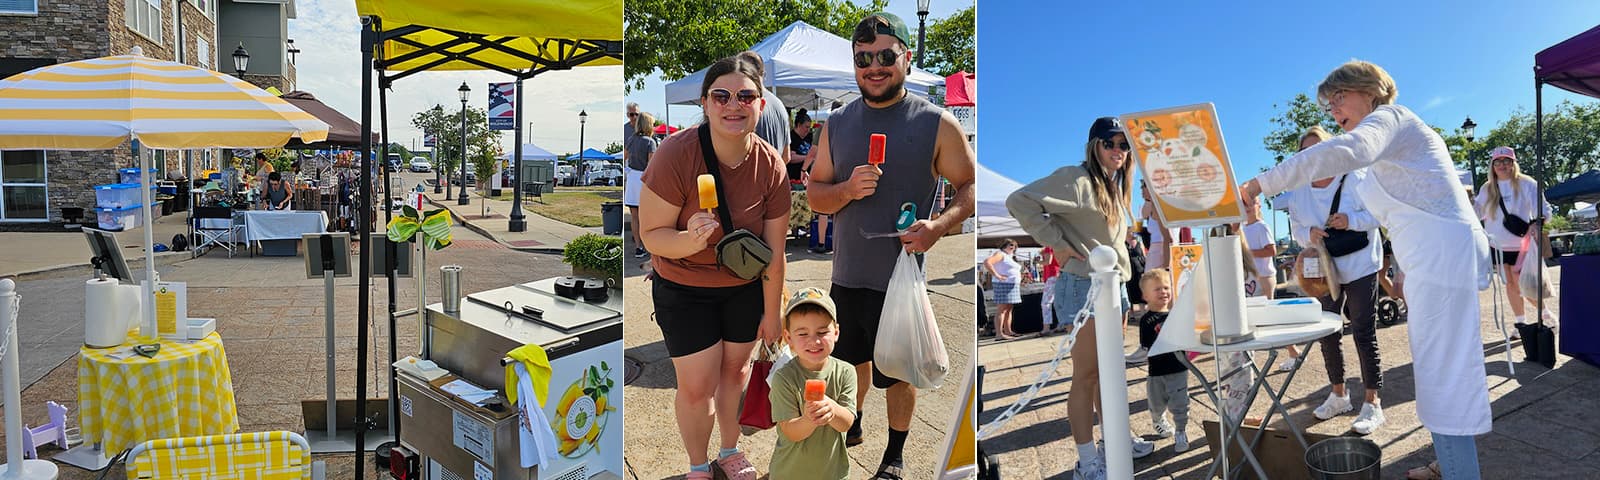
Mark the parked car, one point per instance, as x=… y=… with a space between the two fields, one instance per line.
x=394 y=162
x=419 y=164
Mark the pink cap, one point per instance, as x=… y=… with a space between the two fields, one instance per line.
x=1503 y=152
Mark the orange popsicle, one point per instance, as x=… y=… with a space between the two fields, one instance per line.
x=815 y=390
x=875 y=151
x=708 y=191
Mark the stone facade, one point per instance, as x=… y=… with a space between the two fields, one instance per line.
x=70 y=30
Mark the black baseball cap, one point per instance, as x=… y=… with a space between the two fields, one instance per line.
x=882 y=23
x=1106 y=127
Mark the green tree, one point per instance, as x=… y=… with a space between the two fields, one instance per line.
x=613 y=147
x=446 y=127
x=405 y=154
x=951 y=43
x=678 y=38
x=1300 y=113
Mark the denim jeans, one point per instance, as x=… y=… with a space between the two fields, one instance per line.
x=1458 y=456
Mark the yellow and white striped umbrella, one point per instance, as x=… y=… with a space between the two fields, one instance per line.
x=100 y=103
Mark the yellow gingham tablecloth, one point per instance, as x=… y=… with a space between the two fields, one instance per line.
x=185 y=391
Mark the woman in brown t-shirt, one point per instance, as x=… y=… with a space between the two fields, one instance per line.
x=710 y=318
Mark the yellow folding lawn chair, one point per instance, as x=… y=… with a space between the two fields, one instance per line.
x=254 y=456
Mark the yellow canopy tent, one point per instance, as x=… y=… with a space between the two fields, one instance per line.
x=520 y=38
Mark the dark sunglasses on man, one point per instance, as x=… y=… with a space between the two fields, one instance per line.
x=720 y=96
x=887 y=57
x=1110 y=144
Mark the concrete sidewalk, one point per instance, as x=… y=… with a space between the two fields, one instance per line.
x=654 y=448
x=41 y=252
x=543 y=234
x=1544 y=421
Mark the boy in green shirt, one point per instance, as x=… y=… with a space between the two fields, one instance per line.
x=811 y=431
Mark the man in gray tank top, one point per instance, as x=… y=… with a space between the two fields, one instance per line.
x=924 y=142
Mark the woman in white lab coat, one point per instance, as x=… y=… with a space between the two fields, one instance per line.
x=1437 y=240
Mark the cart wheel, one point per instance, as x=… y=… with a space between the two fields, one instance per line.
x=1389 y=312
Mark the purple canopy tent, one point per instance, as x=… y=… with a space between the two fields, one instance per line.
x=1572 y=65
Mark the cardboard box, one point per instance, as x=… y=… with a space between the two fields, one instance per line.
x=1280 y=455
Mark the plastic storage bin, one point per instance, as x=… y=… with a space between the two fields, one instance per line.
x=118 y=195
x=131 y=175
x=115 y=219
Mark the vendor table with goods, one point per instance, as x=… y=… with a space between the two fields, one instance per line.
x=184 y=390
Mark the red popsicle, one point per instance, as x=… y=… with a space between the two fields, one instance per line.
x=875 y=152
x=815 y=390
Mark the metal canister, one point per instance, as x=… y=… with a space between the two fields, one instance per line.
x=450 y=281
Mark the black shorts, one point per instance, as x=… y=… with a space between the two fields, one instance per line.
x=1505 y=257
x=859 y=309
x=696 y=318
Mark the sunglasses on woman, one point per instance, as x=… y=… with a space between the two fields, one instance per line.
x=887 y=57
x=1109 y=144
x=720 y=96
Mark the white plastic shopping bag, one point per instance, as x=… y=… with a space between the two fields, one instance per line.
x=1530 y=279
x=783 y=357
x=909 y=347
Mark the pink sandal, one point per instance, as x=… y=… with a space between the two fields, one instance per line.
x=736 y=467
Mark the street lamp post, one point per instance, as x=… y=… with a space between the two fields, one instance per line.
x=438 y=167
x=922 y=27
x=518 y=222
x=1472 y=164
x=241 y=59
x=583 y=118
x=461 y=199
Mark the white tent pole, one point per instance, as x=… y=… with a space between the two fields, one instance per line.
x=149 y=303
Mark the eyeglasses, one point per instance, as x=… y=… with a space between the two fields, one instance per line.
x=720 y=96
x=1503 y=161
x=1109 y=144
x=633 y=114
x=887 y=57
x=1338 y=98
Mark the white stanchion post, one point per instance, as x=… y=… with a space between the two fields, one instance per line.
x=1113 y=377
x=29 y=469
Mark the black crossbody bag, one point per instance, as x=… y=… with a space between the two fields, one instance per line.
x=1514 y=224
x=1341 y=242
x=740 y=251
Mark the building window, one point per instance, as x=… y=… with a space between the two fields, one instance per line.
x=22 y=186
x=144 y=16
x=30 y=7
x=202 y=50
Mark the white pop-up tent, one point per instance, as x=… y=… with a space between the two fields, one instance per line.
x=994 y=221
x=808 y=66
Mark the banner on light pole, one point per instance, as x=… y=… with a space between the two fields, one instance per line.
x=502 y=106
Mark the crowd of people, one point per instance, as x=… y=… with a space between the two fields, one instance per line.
x=713 y=309
x=1386 y=188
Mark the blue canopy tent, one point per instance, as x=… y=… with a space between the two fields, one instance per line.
x=1582 y=188
x=592 y=154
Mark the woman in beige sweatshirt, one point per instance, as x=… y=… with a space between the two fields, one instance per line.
x=1073 y=210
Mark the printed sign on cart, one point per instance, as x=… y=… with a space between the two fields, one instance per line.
x=587 y=416
x=473 y=436
x=502 y=106
x=1185 y=165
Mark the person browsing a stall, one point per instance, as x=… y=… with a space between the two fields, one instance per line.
x=813 y=396
x=711 y=314
x=868 y=197
x=278 y=192
x=1510 y=199
x=1437 y=239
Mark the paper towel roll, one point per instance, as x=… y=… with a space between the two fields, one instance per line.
x=105 y=315
x=1222 y=259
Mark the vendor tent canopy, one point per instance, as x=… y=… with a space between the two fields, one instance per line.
x=531 y=152
x=807 y=67
x=1582 y=188
x=1572 y=65
x=592 y=154
x=995 y=223
x=342 y=131
x=961 y=90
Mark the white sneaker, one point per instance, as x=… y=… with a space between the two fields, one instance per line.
x=1163 y=427
x=1180 y=442
x=1370 y=419
x=1138 y=357
x=1515 y=333
x=1287 y=364
x=1142 y=448
x=1094 y=469
x=1332 y=407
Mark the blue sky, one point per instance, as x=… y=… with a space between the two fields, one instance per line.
x=1046 y=71
x=652 y=98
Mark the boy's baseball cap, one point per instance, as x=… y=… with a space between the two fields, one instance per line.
x=1503 y=152
x=1106 y=127
x=893 y=26
x=812 y=295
